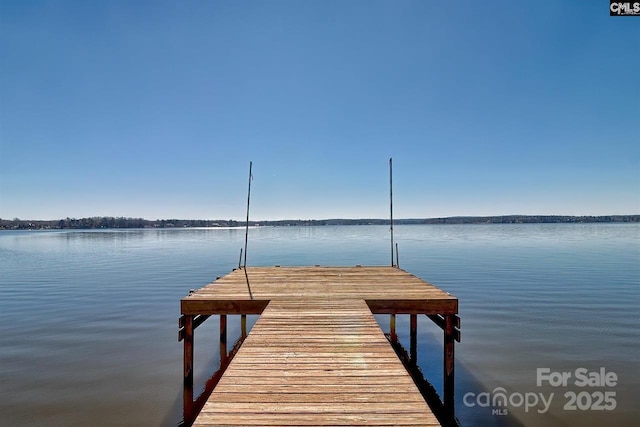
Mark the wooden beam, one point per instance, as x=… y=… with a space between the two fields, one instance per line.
x=218 y=306
x=413 y=306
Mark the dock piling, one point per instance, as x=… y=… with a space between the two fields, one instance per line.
x=392 y=328
x=187 y=396
x=223 y=338
x=243 y=325
x=413 y=338
x=448 y=365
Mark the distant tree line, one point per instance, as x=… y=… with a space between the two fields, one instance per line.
x=111 y=222
x=506 y=219
x=122 y=222
x=528 y=219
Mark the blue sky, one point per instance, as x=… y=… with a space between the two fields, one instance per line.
x=154 y=109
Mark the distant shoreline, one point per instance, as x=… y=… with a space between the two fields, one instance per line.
x=122 y=222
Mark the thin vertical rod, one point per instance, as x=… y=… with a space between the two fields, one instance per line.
x=246 y=232
x=240 y=259
x=391 y=204
x=397 y=257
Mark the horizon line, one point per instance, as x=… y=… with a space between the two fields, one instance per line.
x=329 y=219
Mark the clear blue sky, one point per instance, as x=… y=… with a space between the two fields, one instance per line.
x=154 y=109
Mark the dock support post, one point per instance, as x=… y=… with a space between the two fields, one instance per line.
x=243 y=325
x=187 y=392
x=413 y=341
x=392 y=328
x=448 y=380
x=223 y=338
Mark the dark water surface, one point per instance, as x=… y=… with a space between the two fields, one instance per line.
x=89 y=318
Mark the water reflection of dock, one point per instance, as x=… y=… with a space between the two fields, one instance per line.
x=316 y=355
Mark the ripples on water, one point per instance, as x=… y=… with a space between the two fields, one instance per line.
x=89 y=317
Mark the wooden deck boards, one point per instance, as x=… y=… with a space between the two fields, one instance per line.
x=316 y=363
x=385 y=289
x=316 y=356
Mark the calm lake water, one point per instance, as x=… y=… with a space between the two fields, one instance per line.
x=89 y=318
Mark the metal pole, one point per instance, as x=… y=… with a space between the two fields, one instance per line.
x=391 y=204
x=246 y=233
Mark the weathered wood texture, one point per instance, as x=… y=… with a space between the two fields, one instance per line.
x=316 y=355
x=316 y=362
x=385 y=289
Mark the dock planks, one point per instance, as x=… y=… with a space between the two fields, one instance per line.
x=316 y=363
x=385 y=289
x=316 y=356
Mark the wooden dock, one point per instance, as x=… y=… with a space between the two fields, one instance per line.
x=316 y=355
